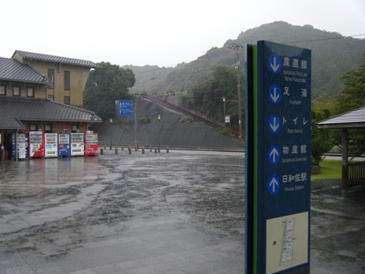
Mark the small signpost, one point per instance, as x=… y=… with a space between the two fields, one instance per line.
x=278 y=88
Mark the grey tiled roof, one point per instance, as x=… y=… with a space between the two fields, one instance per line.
x=56 y=59
x=352 y=119
x=12 y=70
x=15 y=110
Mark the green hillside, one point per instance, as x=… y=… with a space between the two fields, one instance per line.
x=332 y=56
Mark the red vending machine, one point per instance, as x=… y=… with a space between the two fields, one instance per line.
x=36 y=144
x=91 y=143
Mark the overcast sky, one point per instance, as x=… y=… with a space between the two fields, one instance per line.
x=157 y=32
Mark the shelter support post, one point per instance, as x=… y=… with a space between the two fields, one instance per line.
x=345 y=165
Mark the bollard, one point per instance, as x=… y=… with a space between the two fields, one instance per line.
x=167 y=149
x=101 y=151
x=116 y=150
x=110 y=147
x=155 y=150
x=130 y=151
x=122 y=147
x=150 y=149
x=142 y=150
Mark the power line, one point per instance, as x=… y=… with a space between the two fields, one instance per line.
x=328 y=38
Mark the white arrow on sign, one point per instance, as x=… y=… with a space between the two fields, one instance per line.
x=274 y=96
x=273 y=184
x=274 y=125
x=273 y=154
x=274 y=66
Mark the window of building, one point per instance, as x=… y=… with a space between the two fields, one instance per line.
x=66 y=100
x=75 y=128
x=51 y=97
x=30 y=92
x=33 y=127
x=51 y=78
x=16 y=91
x=2 y=90
x=48 y=128
x=67 y=80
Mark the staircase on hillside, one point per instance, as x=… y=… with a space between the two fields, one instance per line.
x=195 y=115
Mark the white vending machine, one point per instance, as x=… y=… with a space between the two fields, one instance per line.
x=77 y=144
x=51 y=145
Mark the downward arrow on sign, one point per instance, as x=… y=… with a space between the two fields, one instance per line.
x=274 y=96
x=275 y=66
x=274 y=125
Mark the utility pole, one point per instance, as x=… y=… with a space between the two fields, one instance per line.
x=237 y=47
x=224 y=110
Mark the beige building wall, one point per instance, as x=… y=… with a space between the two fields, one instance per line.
x=78 y=78
x=40 y=91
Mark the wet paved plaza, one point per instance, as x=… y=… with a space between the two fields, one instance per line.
x=177 y=212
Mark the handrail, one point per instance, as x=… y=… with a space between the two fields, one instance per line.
x=190 y=112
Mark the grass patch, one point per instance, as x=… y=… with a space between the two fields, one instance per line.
x=329 y=169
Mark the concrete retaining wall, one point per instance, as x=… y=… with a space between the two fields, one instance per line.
x=172 y=130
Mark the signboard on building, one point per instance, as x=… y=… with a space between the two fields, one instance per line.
x=278 y=153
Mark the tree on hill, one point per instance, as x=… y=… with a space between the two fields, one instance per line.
x=332 y=55
x=322 y=140
x=106 y=84
x=352 y=96
x=208 y=96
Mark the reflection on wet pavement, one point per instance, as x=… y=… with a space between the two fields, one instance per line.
x=180 y=212
x=56 y=214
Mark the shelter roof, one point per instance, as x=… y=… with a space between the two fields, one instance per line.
x=15 y=110
x=352 y=119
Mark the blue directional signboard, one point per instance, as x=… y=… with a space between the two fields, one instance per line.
x=278 y=115
x=124 y=107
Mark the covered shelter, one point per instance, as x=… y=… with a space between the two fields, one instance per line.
x=352 y=173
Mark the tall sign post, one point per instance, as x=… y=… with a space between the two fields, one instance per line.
x=278 y=101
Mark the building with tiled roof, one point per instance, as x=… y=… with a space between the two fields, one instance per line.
x=40 y=92
x=66 y=76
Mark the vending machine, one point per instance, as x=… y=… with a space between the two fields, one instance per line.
x=77 y=144
x=36 y=144
x=51 y=144
x=91 y=143
x=64 y=146
x=22 y=143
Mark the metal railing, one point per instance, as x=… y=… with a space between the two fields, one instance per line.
x=356 y=173
x=194 y=114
